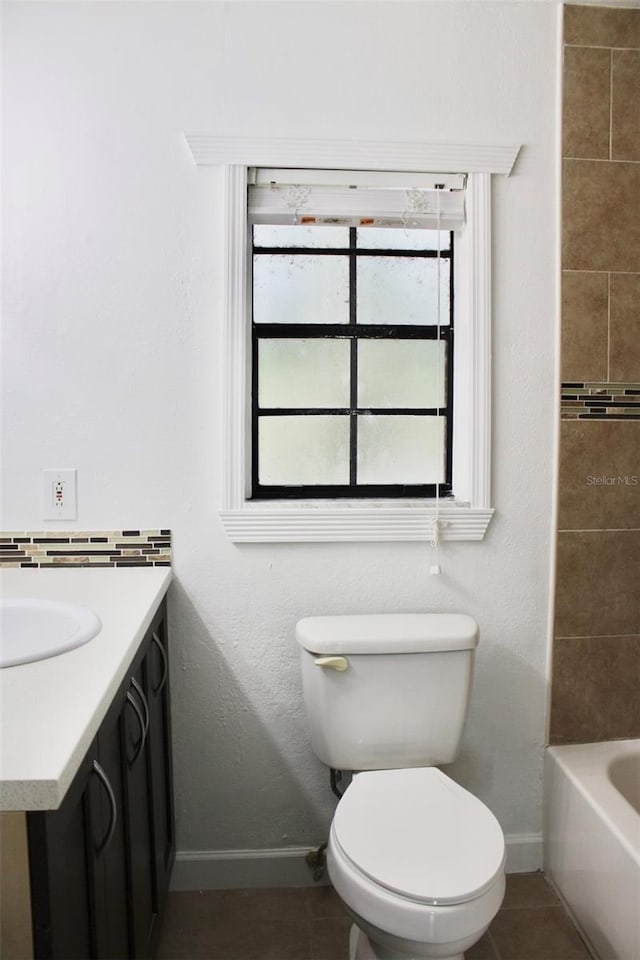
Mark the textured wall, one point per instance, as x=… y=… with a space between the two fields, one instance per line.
x=596 y=654
x=112 y=359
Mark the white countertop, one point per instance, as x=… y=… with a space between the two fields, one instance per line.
x=51 y=710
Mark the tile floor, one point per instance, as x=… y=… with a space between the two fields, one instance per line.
x=311 y=924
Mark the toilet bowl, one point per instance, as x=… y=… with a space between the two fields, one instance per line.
x=419 y=863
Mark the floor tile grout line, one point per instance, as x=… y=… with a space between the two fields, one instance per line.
x=310 y=950
x=494 y=944
x=536 y=906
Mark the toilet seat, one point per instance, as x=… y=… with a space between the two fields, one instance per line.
x=373 y=905
x=421 y=836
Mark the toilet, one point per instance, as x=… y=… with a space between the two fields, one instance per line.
x=417 y=859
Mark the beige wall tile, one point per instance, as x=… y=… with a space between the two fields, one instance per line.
x=594 y=689
x=624 y=344
x=601 y=26
x=572 y=714
x=585 y=308
x=599 y=481
x=596 y=676
x=586 y=102
x=625 y=105
x=597 y=577
x=622 y=666
x=601 y=216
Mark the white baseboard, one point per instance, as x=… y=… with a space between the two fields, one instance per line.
x=235 y=869
x=524 y=852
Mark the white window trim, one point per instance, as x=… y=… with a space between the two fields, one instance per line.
x=350 y=520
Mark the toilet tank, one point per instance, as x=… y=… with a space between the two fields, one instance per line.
x=385 y=691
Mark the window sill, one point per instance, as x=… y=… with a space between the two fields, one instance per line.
x=348 y=521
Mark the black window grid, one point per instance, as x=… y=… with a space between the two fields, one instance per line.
x=354 y=332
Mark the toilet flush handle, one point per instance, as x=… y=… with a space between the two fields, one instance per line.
x=333 y=663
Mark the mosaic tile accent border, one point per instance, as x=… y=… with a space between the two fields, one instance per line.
x=600 y=401
x=75 y=548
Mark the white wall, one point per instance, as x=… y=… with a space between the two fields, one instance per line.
x=112 y=354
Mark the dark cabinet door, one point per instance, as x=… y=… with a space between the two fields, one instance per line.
x=144 y=900
x=63 y=872
x=157 y=686
x=110 y=845
x=78 y=859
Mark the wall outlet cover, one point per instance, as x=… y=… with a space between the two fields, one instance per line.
x=60 y=494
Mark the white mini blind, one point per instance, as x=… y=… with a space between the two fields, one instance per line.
x=356 y=198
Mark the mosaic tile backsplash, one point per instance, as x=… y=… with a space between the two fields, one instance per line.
x=75 y=548
x=600 y=401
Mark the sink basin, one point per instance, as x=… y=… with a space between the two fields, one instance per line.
x=36 y=629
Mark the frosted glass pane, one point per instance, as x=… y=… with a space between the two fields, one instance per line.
x=299 y=236
x=303 y=450
x=303 y=373
x=395 y=238
x=300 y=289
x=401 y=373
x=401 y=449
x=402 y=290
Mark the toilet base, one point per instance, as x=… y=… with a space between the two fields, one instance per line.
x=362 y=948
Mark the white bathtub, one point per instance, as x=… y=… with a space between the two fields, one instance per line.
x=592 y=841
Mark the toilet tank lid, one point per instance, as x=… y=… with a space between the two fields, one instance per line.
x=387 y=633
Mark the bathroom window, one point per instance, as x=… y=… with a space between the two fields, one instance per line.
x=461 y=507
x=352 y=354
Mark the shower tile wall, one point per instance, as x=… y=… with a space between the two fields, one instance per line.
x=596 y=656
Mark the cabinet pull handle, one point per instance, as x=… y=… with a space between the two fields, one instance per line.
x=165 y=665
x=136 y=686
x=113 y=818
x=143 y=730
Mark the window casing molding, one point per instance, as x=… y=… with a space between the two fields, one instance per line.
x=468 y=516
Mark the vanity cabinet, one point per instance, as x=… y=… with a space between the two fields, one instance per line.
x=100 y=863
